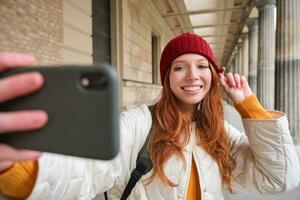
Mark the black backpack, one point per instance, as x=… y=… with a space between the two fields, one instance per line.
x=143 y=162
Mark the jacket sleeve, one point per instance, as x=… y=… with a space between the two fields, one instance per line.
x=266 y=159
x=19 y=179
x=65 y=177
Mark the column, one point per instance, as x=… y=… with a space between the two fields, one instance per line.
x=231 y=62
x=236 y=61
x=245 y=64
x=266 y=53
x=288 y=63
x=240 y=52
x=230 y=65
x=253 y=43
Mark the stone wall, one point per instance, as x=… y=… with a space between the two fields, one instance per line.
x=56 y=31
x=140 y=20
x=33 y=27
x=77 y=29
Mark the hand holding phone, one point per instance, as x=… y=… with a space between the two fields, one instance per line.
x=13 y=87
x=83 y=111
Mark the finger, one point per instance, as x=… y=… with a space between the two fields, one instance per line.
x=9 y=153
x=237 y=80
x=4 y=165
x=230 y=80
x=223 y=81
x=22 y=120
x=18 y=85
x=244 y=81
x=11 y=60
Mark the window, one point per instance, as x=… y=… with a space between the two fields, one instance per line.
x=101 y=31
x=155 y=43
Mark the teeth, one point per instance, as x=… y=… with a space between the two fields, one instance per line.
x=192 y=89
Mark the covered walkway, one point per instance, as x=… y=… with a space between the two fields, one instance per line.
x=258 y=38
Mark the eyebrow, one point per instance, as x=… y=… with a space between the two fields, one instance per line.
x=183 y=61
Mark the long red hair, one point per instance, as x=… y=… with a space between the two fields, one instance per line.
x=173 y=131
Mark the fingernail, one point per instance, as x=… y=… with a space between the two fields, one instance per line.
x=39 y=118
x=29 y=57
x=34 y=78
x=33 y=154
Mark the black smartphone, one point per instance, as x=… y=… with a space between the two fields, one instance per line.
x=82 y=103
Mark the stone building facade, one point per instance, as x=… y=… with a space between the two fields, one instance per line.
x=67 y=31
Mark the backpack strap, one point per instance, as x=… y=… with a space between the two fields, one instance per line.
x=143 y=161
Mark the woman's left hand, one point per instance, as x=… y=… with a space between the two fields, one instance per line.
x=236 y=87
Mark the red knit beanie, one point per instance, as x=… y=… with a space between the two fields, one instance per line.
x=183 y=44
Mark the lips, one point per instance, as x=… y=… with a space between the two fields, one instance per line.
x=192 y=89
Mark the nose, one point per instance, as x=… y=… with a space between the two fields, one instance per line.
x=192 y=74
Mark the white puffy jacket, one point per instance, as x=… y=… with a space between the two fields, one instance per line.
x=266 y=162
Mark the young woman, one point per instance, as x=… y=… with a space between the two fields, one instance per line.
x=195 y=153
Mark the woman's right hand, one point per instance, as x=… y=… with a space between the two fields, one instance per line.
x=12 y=87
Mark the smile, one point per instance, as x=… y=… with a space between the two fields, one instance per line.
x=192 y=89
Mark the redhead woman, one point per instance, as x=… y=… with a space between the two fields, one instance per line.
x=195 y=153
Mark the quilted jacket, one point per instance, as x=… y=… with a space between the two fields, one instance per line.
x=265 y=155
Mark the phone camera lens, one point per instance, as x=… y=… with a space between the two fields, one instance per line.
x=94 y=81
x=85 y=82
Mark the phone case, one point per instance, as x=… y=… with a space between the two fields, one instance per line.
x=82 y=103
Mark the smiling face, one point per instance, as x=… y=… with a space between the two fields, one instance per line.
x=190 y=79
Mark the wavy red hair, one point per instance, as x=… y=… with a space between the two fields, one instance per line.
x=172 y=131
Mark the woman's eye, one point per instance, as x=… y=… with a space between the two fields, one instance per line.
x=178 y=68
x=202 y=66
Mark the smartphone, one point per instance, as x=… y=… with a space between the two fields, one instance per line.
x=82 y=103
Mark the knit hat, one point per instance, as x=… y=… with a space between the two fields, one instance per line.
x=183 y=44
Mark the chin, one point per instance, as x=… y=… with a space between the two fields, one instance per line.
x=191 y=101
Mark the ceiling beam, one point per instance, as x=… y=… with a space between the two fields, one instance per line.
x=218 y=35
x=204 y=11
x=216 y=43
x=244 y=17
x=203 y=26
x=218 y=50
